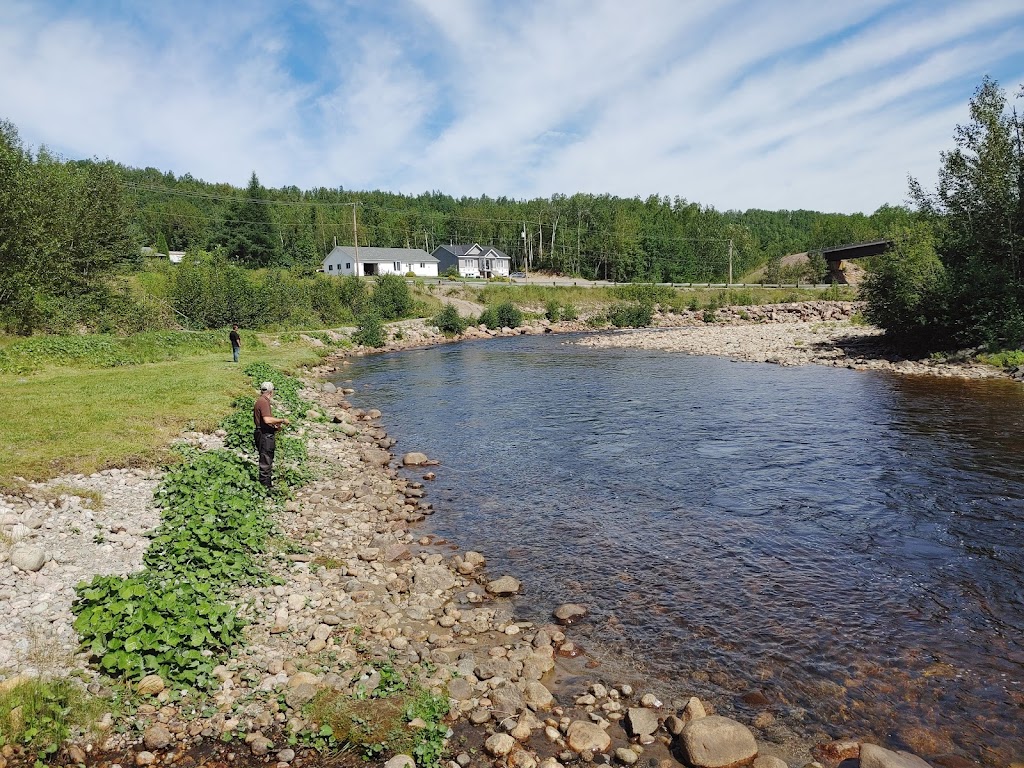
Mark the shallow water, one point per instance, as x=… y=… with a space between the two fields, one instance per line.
x=838 y=548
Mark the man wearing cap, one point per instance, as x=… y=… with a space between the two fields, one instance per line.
x=266 y=428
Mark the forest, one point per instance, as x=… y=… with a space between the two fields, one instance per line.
x=67 y=227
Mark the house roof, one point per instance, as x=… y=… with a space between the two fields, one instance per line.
x=380 y=255
x=460 y=250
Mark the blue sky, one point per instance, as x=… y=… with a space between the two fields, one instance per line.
x=731 y=103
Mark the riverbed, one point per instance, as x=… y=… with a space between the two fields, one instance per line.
x=825 y=552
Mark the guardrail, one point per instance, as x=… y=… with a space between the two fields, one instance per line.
x=570 y=283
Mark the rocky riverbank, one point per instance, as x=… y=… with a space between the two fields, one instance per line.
x=359 y=584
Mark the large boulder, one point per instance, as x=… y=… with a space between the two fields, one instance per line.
x=506 y=585
x=28 y=558
x=641 y=721
x=872 y=756
x=431 y=578
x=414 y=459
x=717 y=742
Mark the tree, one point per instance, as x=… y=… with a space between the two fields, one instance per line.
x=249 y=232
x=161 y=245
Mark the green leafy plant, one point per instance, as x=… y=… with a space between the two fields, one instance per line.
x=370 y=332
x=630 y=315
x=449 y=322
x=39 y=715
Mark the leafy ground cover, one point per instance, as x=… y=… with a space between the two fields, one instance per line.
x=175 y=618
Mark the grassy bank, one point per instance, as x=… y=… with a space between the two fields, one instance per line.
x=75 y=413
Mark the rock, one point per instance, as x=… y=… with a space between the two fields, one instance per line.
x=414 y=459
x=259 y=744
x=520 y=758
x=286 y=755
x=460 y=689
x=832 y=753
x=499 y=745
x=569 y=613
x=150 y=685
x=674 y=725
x=538 y=697
x=431 y=578
x=145 y=758
x=626 y=756
x=400 y=761
x=156 y=737
x=76 y=754
x=694 y=709
x=590 y=737
x=873 y=756
x=714 y=741
x=506 y=585
x=770 y=761
x=28 y=558
x=330 y=389
x=507 y=701
x=641 y=721
x=302 y=678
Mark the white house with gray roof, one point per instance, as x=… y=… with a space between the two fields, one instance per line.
x=473 y=260
x=344 y=260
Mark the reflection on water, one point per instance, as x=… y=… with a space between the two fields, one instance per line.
x=845 y=543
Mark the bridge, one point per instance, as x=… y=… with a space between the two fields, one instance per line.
x=837 y=254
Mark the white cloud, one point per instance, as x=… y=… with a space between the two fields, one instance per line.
x=742 y=104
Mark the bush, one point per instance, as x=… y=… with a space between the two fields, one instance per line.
x=370 y=331
x=489 y=318
x=569 y=312
x=391 y=298
x=448 y=321
x=509 y=315
x=630 y=315
x=553 y=311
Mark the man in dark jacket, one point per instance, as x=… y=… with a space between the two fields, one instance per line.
x=236 y=342
x=266 y=426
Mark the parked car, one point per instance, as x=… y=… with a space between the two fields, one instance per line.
x=518 y=274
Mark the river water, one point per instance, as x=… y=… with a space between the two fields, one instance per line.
x=837 y=553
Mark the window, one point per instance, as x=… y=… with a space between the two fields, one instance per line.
x=330 y=267
x=398 y=266
x=422 y=265
x=348 y=265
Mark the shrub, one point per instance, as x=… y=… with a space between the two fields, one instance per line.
x=370 y=332
x=448 y=321
x=40 y=715
x=509 y=315
x=630 y=315
x=391 y=298
x=569 y=312
x=709 y=316
x=553 y=311
x=489 y=318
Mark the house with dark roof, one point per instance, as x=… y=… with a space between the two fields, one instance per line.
x=473 y=260
x=346 y=260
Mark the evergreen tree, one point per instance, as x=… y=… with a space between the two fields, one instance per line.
x=249 y=232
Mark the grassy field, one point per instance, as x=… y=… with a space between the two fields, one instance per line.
x=84 y=417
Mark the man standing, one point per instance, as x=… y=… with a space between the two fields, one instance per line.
x=266 y=426
x=236 y=342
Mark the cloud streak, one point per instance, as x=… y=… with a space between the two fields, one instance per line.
x=794 y=105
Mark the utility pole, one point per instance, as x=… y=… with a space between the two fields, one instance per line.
x=540 y=241
x=730 y=261
x=355 y=239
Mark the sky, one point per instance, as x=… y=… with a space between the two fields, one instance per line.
x=736 y=104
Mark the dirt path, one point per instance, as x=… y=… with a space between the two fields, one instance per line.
x=465 y=308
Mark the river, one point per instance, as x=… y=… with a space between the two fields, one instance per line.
x=831 y=553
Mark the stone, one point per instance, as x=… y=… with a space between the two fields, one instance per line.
x=431 y=578
x=626 y=756
x=714 y=741
x=286 y=755
x=770 y=761
x=302 y=678
x=259 y=744
x=506 y=585
x=674 y=725
x=694 y=709
x=499 y=745
x=641 y=721
x=150 y=685
x=538 y=697
x=590 y=737
x=832 y=753
x=76 y=754
x=400 y=761
x=28 y=558
x=507 y=701
x=569 y=613
x=873 y=756
x=156 y=737
x=520 y=758
x=414 y=459
x=145 y=758
x=460 y=689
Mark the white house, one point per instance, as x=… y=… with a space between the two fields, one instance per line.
x=344 y=260
x=473 y=260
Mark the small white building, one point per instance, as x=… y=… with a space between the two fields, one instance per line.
x=344 y=260
x=473 y=260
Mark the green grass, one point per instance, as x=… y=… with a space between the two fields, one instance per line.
x=66 y=419
x=40 y=715
x=1007 y=358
